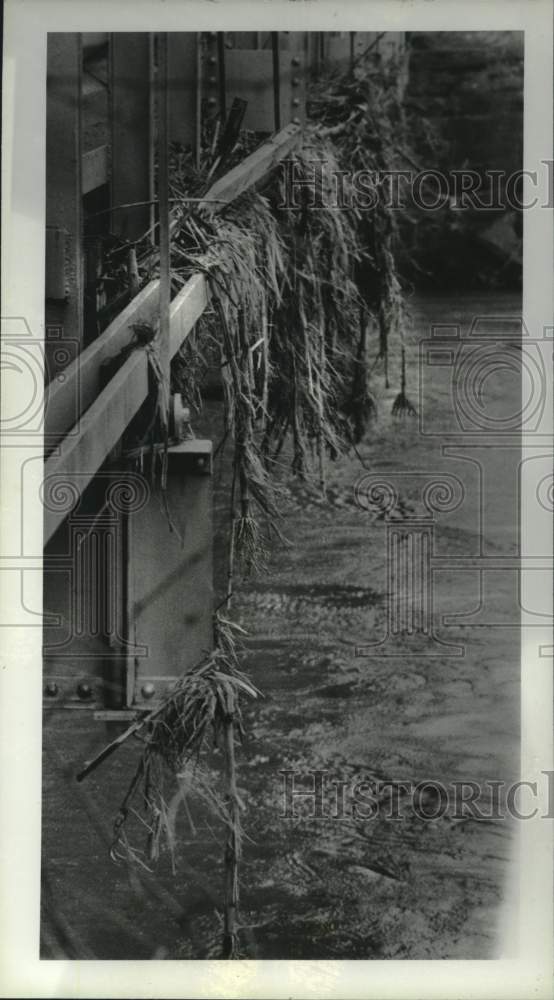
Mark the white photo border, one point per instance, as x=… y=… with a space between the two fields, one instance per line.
x=22 y=974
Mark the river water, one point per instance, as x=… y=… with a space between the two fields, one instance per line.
x=359 y=690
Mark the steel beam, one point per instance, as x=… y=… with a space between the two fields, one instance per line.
x=182 y=86
x=293 y=64
x=272 y=81
x=162 y=106
x=170 y=579
x=63 y=183
x=131 y=132
x=95 y=169
x=337 y=49
x=81 y=454
x=252 y=170
x=67 y=400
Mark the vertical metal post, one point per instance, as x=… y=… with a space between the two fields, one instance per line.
x=314 y=53
x=64 y=273
x=198 y=95
x=292 y=73
x=164 y=577
x=276 y=79
x=151 y=138
x=130 y=115
x=222 y=88
x=163 y=201
x=182 y=74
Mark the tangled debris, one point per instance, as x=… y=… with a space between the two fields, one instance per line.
x=298 y=296
x=200 y=712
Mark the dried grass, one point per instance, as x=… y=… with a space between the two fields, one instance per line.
x=202 y=711
x=296 y=295
x=361 y=113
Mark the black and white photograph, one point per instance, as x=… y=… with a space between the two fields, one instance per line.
x=289 y=431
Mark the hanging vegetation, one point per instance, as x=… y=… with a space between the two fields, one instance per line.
x=306 y=300
x=284 y=330
x=305 y=303
x=298 y=294
x=200 y=712
x=361 y=113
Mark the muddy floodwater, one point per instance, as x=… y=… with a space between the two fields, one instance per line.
x=356 y=693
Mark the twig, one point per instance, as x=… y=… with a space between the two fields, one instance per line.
x=91 y=765
x=232 y=845
x=366 y=52
x=231 y=560
x=402 y=152
x=154 y=201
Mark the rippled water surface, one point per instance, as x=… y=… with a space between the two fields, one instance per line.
x=337 y=885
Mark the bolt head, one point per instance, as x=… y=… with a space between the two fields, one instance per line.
x=148 y=690
x=51 y=689
x=84 y=691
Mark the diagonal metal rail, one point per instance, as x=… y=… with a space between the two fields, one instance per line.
x=83 y=424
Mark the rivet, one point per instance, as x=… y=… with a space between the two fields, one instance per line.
x=295 y=102
x=296 y=121
x=212 y=60
x=51 y=689
x=295 y=81
x=84 y=690
x=212 y=80
x=148 y=690
x=212 y=102
x=229 y=45
x=295 y=61
x=200 y=462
